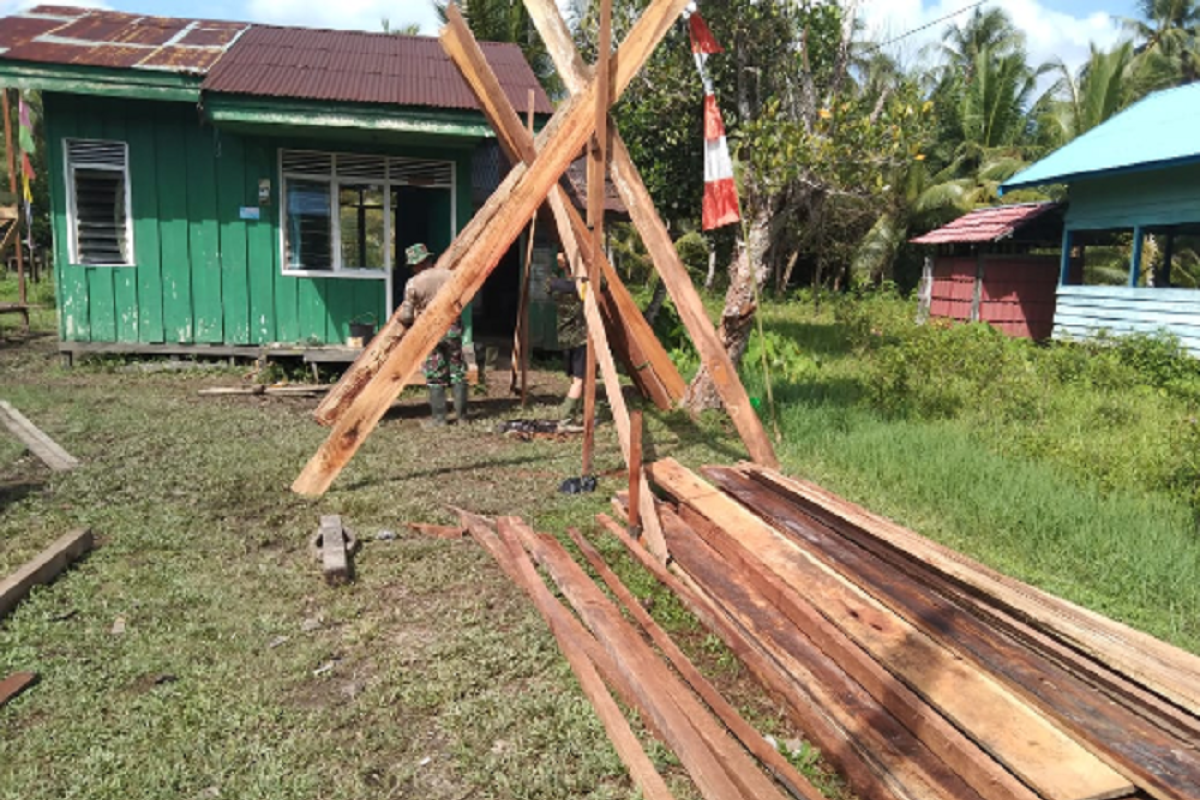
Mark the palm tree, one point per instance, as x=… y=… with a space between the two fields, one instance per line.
x=411 y=29
x=1167 y=48
x=1100 y=88
x=991 y=30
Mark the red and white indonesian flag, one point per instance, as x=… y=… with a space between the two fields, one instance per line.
x=720 y=190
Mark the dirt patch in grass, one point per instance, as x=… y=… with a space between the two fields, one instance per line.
x=430 y=676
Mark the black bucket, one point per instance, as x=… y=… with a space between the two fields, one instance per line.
x=362 y=330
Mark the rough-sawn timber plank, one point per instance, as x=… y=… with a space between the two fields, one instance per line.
x=1016 y=735
x=44 y=568
x=1171 y=672
x=41 y=445
x=1146 y=755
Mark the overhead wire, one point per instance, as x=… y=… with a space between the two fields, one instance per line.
x=926 y=26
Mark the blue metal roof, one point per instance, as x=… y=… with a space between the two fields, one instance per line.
x=1158 y=131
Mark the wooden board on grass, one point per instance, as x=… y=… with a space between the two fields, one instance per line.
x=1043 y=756
x=41 y=445
x=44 y=568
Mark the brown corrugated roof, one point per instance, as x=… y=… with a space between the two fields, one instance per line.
x=986 y=224
x=266 y=60
x=360 y=67
x=91 y=38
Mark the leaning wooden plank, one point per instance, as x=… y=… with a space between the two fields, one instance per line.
x=649 y=365
x=649 y=224
x=1138 y=733
x=504 y=216
x=43 y=569
x=750 y=738
x=719 y=768
x=1134 y=747
x=1166 y=670
x=14 y=684
x=1040 y=754
x=644 y=775
x=372 y=360
x=38 y=442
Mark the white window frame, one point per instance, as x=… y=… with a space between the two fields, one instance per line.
x=72 y=211
x=389 y=181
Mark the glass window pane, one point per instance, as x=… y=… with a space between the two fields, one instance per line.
x=361 y=212
x=309 y=225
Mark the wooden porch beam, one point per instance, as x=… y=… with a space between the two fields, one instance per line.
x=654 y=234
x=490 y=233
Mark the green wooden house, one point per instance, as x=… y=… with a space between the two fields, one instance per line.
x=222 y=187
x=1134 y=187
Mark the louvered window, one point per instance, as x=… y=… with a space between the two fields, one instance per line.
x=98 y=193
x=339 y=208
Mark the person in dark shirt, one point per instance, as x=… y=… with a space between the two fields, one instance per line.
x=572 y=337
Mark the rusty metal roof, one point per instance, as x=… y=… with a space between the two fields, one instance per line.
x=92 y=38
x=986 y=224
x=266 y=60
x=359 y=67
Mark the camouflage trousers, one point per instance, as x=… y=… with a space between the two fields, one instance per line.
x=445 y=365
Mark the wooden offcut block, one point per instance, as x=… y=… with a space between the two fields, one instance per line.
x=43 y=569
x=335 y=558
x=16 y=683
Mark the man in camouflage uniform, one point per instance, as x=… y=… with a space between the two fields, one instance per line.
x=572 y=336
x=445 y=365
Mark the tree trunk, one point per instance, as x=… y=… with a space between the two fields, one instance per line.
x=746 y=277
x=656 y=302
x=712 y=267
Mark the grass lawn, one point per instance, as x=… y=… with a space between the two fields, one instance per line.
x=239 y=674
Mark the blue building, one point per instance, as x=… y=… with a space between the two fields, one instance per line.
x=1133 y=181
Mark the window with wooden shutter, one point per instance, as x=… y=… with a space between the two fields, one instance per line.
x=98 y=193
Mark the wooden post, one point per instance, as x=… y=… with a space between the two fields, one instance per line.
x=462 y=47
x=521 y=346
x=635 y=473
x=977 y=290
x=1135 y=261
x=1064 y=271
x=649 y=224
x=597 y=177
x=12 y=186
x=489 y=234
x=1164 y=278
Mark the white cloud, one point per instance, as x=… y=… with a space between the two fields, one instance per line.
x=1050 y=35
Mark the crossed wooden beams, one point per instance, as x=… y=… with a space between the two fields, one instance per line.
x=356 y=405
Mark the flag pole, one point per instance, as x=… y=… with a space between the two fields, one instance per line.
x=12 y=185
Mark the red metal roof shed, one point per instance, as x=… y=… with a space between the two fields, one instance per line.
x=983 y=270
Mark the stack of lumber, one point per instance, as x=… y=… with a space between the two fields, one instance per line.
x=918 y=672
x=678 y=706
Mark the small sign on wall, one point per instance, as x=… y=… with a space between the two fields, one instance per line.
x=250 y=212
x=264 y=191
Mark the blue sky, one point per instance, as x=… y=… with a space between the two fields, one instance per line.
x=1055 y=28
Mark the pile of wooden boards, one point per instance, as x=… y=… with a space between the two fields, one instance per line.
x=918 y=672
x=679 y=707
